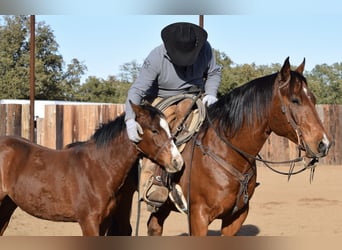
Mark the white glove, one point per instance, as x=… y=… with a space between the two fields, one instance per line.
x=134 y=130
x=208 y=100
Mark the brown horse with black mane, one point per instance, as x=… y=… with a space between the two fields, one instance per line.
x=80 y=183
x=220 y=173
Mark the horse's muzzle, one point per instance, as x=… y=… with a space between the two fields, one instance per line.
x=177 y=164
x=322 y=148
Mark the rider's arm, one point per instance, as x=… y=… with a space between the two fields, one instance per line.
x=213 y=76
x=144 y=81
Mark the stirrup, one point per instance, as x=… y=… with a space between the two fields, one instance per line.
x=153 y=205
x=177 y=197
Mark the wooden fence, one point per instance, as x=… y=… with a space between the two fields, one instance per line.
x=63 y=124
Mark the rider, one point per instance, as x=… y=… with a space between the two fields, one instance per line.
x=183 y=62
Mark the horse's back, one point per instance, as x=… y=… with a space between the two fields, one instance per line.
x=36 y=178
x=15 y=142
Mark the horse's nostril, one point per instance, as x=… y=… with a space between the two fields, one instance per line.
x=174 y=162
x=322 y=147
x=177 y=163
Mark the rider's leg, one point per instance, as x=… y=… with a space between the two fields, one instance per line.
x=149 y=187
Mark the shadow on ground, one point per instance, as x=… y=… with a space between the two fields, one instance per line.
x=246 y=230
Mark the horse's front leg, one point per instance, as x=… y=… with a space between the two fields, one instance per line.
x=232 y=225
x=198 y=221
x=7 y=207
x=90 y=226
x=156 y=221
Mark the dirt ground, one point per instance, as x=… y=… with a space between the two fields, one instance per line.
x=278 y=208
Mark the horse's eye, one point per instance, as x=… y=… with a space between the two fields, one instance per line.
x=154 y=131
x=295 y=100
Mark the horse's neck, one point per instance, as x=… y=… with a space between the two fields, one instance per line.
x=251 y=140
x=247 y=140
x=118 y=159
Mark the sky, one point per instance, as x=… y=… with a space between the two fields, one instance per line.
x=248 y=31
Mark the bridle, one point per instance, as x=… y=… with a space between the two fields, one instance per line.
x=290 y=119
x=301 y=145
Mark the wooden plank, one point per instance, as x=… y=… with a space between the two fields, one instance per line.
x=13 y=122
x=40 y=131
x=59 y=126
x=68 y=124
x=50 y=126
x=3 y=118
x=25 y=122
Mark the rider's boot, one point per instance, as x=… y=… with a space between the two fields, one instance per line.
x=152 y=190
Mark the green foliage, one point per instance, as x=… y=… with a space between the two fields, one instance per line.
x=14 y=58
x=326 y=83
x=129 y=71
x=99 y=90
x=51 y=82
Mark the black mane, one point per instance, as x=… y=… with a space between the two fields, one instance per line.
x=108 y=131
x=248 y=103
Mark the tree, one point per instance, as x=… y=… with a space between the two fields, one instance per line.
x=50 y=79
x=49 y=65
x=14 y=57
x=129 y=71
x=71 y=83
x=326 y=83
x=99 y=90
x=234 y=75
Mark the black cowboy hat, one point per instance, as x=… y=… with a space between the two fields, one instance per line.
x=183 y=42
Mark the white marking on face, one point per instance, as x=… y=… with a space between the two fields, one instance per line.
x=174 y=150
x=326 y=140
x=165 y=126
x=306 y=92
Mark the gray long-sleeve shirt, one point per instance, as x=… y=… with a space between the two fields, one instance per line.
x=159 y=77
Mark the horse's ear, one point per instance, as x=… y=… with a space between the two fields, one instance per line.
x=300 y=68
x=285 y=71
x=145 y=102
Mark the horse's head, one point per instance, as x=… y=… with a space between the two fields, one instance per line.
x=293 y=114
x=157 y=143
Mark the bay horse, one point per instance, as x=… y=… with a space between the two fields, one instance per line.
x=219 y=174
x=79 y=184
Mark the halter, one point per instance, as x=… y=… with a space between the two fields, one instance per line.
x=154 y=158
